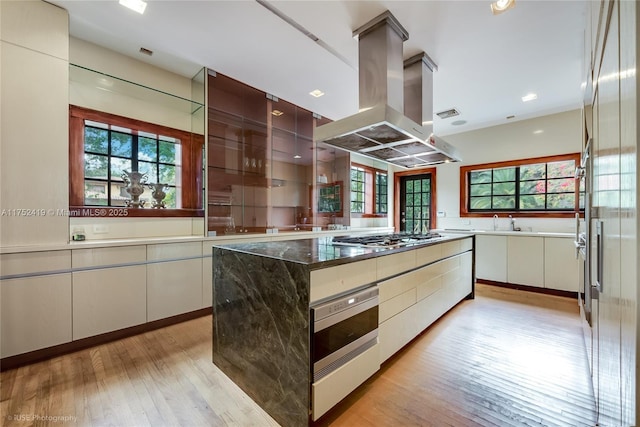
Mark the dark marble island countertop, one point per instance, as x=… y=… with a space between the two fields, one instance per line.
x=321 y=252
x=261 y=314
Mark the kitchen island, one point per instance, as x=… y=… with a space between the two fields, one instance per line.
x=263 y=295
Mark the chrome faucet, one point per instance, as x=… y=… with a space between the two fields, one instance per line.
x=495 y=222
x=512 y=222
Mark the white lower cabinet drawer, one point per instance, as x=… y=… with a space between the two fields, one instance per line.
x=396 y=304
x=331 y=389
x=396 y=332
x=108 y=299
x=173 y=288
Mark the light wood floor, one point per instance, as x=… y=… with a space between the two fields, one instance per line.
x=508 y=358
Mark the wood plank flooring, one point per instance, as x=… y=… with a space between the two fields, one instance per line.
x=507 y=358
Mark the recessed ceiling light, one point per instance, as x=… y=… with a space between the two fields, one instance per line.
x=500 y=6
x=459 y=122
x=529 y=97
x=297 y=156
x=537 y=132
x=277 y=113
x=510 y=117
x=146 y=51
x=316 y=93
x=137 y=5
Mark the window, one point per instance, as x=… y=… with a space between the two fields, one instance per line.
x=358 y=187
x=111 y=150
x=543 y=185
x=103 y=146
x=381 y=194
x=369 y=191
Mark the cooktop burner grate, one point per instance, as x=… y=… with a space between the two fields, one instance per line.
x=396 y=239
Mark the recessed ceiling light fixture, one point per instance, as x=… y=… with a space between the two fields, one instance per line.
x=529 y=97
x=277 y=113
x=538 y=132
x=500 y=6
x=136 y=5
x=316 y=93
x=297 y=156
x=146 y=51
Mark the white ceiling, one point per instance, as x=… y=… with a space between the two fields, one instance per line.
x=485 y=63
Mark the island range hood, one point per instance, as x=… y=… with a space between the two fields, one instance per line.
x=381 y=130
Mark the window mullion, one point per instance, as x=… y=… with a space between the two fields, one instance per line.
x=109 y=150
x=546 y=186
x=158 y=159
x=517 y=184
x=492 y=182
x=134 y=152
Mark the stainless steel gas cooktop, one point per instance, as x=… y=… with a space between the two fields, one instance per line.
x=385 y=240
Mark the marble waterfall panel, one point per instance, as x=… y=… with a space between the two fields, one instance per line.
x=261 y=330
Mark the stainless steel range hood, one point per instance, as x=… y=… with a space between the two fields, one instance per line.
x=381 y=130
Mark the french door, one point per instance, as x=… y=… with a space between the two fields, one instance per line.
x=416 y=202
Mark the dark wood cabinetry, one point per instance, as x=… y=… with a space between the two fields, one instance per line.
x=260 y=161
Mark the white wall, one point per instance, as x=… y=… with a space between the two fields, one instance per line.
x=89 y=90
x=561 y=134
x=102 y=93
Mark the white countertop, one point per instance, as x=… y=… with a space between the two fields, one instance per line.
x=92 y=244
x=506 y=233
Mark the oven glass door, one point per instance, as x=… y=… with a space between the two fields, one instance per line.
x=339 y=335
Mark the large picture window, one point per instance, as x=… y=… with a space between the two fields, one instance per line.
x=369 y=191
x=542 y=185
x=105 y=147
x=110 y=151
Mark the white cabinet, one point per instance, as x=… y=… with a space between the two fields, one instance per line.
x=35 y=37
x=108 y=299
x=36 y=313
x=338 y=384
x=545 y=262
x=331 y=281
x=561 y=267
x=174 y=279
x=525 y=260
x=108 y=296
x=491 y=258
x=207 y=275
x=412 y=301
x=35 y=309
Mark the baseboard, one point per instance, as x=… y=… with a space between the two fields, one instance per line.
x=556 y=292
x=39 y=355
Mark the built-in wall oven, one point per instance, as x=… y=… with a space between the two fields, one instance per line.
x=343 y=328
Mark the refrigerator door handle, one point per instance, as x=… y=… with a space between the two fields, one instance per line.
x=599 y=256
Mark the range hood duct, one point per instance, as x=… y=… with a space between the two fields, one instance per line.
x=418 y=105
x=381 y=130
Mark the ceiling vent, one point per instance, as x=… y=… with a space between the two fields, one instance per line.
x=146 y=51
x=448 y=113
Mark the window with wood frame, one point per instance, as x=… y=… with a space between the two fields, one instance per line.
x=369 y=191
x=103 y=146
x=544 y=186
